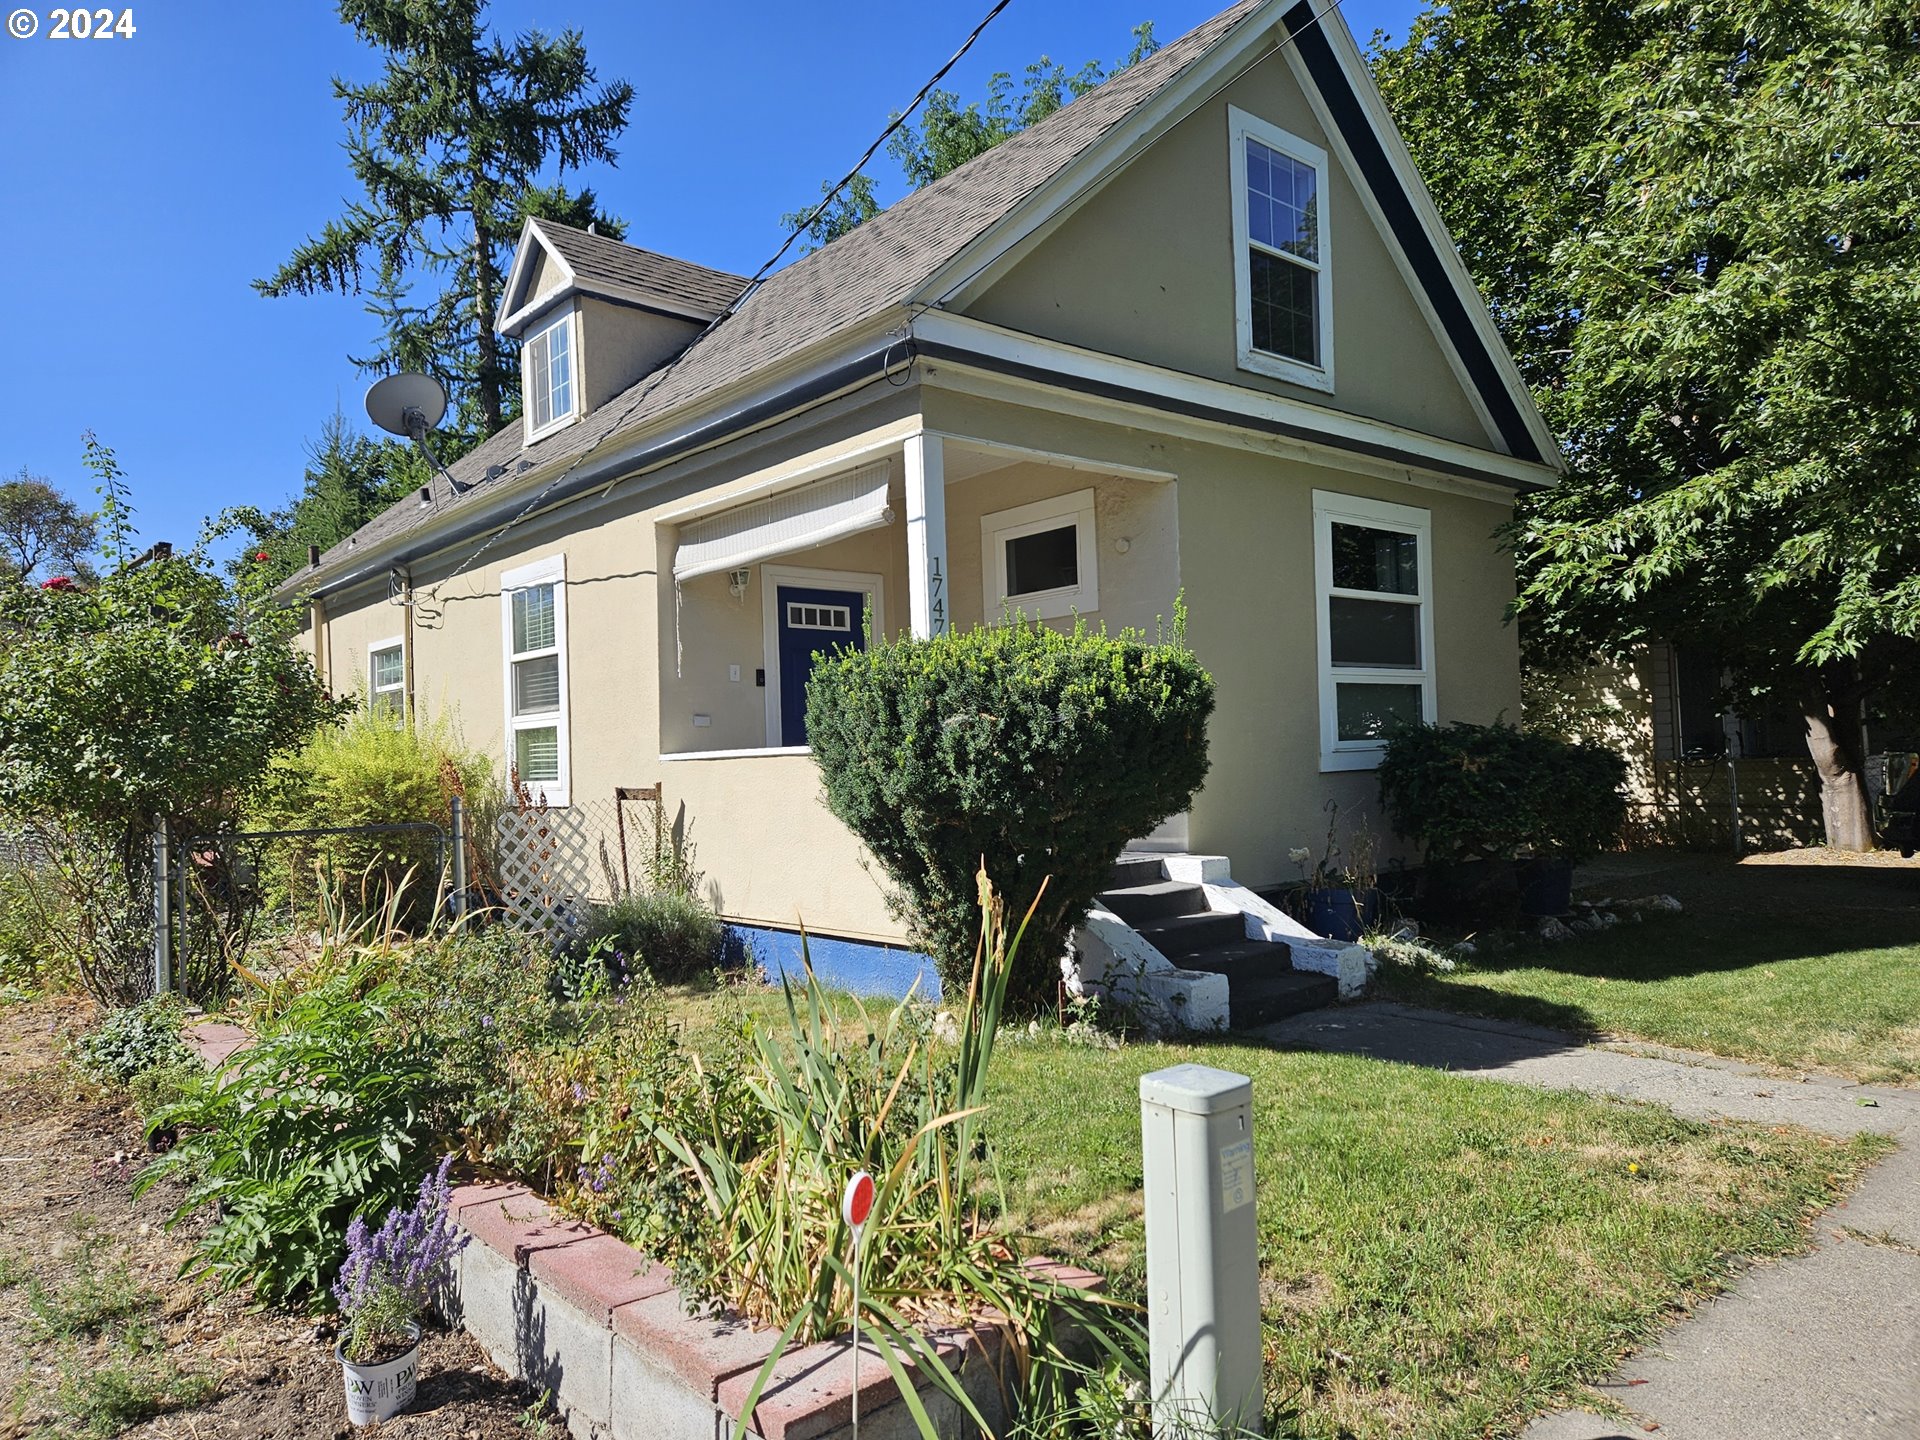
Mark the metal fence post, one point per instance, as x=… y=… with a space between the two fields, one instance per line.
x=162 y=907
x=1203 y=1252
x=459 y=897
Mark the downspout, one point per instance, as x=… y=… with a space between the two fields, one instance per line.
x=317 y=625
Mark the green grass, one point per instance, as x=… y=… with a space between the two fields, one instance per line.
x=1801 y=966
x=100 y=1293
x=1441 y=1258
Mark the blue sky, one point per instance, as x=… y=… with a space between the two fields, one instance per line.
x=145 y=181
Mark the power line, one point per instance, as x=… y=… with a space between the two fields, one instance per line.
x=797 y=231
x=654 y=381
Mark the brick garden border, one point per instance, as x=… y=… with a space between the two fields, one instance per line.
x=586 y=1317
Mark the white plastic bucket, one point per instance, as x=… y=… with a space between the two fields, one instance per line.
x=378 y=1392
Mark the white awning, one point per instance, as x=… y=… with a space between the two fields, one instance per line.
x=796 y=520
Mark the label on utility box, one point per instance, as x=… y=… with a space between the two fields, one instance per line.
x=1236 y=1175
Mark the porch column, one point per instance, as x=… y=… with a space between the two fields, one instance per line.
x=926 y=486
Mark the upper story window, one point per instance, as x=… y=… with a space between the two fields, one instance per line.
x=1282 y=282
x=547 y=375
x=1040 y=558
x=533 y=603
x=387 y=678
x=1373 y=570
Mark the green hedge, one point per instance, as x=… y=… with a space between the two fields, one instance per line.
x=1485 y=792
x=1036 y=752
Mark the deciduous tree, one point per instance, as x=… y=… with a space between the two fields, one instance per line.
x=1709 y=262
x=40 y=529
x=950 y=134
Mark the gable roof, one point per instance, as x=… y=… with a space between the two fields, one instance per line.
x=841 y=290
x=830 y=293
x=598 y=265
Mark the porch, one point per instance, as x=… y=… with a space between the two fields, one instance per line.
x=923 y=532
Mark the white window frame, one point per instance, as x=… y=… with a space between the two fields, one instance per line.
x=550 y=571
x=1330 y=509
x=1243 y=127
x=1042 y=515
x=539 y=336
x=872 y=589
x=375 y=689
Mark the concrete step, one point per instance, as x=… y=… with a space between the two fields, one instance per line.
x=1141 y=904
x=1185 y=934
x=1137 y=870
x=1252 y=1003
x=1242 y=960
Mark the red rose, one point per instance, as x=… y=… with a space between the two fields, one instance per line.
x=261 y=557
x=58 y=582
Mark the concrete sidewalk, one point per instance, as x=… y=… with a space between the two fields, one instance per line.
x=1824 y=1346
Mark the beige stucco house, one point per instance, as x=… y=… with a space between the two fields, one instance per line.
x=1199 y=331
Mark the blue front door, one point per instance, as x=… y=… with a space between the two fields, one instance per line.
x=812 y=621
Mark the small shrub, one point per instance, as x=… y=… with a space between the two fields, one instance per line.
x=672 y=934
x=329 y=1116
x=31 y=956
x=132 y=1041
x=1495 y=792
x=1047 y=750
x=370 y=770
x=387 y=1279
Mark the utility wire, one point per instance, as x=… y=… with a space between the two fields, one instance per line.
x=785 y=245
x=796 y=232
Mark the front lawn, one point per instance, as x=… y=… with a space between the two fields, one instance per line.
x=1440 y=1256
x=1804 y=960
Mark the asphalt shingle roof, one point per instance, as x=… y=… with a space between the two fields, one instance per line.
x=600 y=260
x=838 y=288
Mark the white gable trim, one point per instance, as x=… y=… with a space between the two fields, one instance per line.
x=1004 y=245
x=1038 y=355
x=513 y=310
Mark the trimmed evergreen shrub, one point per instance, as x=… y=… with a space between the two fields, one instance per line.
x=1036 y=752
x=1495 y=792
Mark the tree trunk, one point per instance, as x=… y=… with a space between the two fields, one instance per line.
x=486 y=297
x=1835 y=742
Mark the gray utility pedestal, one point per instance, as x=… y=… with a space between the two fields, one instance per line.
x=1203 y=1253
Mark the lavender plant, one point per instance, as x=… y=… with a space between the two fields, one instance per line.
x=387 y=1280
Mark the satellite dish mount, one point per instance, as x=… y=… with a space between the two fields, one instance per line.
x=409 y=404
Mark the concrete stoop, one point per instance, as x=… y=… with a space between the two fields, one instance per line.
x=579 y=1313
x=1178 y=941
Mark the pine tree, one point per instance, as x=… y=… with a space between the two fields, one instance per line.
x=450 y=145
x=349 y=480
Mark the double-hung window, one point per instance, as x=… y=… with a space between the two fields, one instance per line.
x=546 y=373
x=387 y=678
x=533 y=603
x=1040 y=558
x=1373 y=574
x=1282 y=283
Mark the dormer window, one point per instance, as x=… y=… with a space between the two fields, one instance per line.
x=1281 y=273
x=548 y=392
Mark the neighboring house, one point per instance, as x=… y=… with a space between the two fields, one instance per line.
x=1199 y=331
x=1694 y=768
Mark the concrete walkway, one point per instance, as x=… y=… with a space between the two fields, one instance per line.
x=1824 y=1346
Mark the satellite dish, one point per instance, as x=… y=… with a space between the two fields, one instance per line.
x=407 y=404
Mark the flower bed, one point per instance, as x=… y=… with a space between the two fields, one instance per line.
x=574 y=1310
